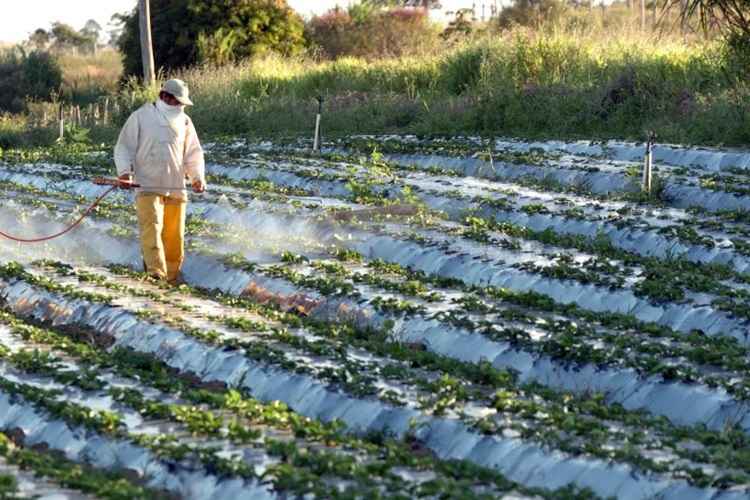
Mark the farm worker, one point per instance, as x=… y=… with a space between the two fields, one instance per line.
x=158 y=148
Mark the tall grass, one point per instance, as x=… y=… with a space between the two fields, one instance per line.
x=586 y=74
x=555 y=84
x=87 y=77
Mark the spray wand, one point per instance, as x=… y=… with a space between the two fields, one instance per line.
x=99 y=181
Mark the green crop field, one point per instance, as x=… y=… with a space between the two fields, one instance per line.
x=466 y=292
x=456 y=318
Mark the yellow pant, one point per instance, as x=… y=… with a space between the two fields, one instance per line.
x=162 y=225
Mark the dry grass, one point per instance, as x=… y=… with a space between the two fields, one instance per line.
x=86 y=76
x=589 y=73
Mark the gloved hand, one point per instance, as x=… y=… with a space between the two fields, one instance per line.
x=125 y=180
x=199 y=186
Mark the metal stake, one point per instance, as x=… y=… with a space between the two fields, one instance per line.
x=61 y=115
x=648 y=163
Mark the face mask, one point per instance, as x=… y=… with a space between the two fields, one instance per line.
x=173 y=115
x=170 y=112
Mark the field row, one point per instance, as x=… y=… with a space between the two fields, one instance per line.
x=355 y=325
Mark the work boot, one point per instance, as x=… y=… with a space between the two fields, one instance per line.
x=150 y=275
x=176 y=281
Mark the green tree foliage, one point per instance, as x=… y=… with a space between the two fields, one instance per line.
x=66 y=38
x=189 y=32
x=91 y=31
x=23 y=76
x=365 y=30
x=733 y=16
x=40 y=39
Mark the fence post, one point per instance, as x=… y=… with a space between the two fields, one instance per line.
x=105 y=118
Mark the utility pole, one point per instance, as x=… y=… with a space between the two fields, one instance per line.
x=147 y=51
x=683 y=18
x=643 y=15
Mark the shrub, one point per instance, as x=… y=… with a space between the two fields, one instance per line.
x=737 y=54
x=363 y=31
x=331 y=32
x=23 y=76
x=189 y=32
x=462 y=69
x=531 y=13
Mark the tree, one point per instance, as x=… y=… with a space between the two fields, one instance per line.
x=114 y=28
x=188 y=32
x=66 y=37
x=733 y=15
x=91 y=29
x=730 y=16
x=27 y=76
x=39 y=39
x=91 y=32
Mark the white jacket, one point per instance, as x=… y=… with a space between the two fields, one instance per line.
x=159 y=156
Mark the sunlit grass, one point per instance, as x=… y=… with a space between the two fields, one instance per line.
x=589 y=74
x=559 y=83
x=88 y=76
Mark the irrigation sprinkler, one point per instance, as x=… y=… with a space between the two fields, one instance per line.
x=316 y=141
x=648 y=163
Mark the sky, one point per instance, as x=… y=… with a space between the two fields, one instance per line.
x=24 y=16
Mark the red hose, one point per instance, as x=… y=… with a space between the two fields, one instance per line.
x=67 y=229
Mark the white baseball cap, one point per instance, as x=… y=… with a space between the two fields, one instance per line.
x=179 y=90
